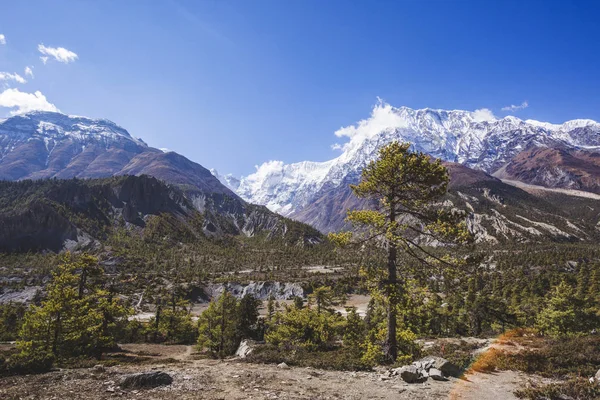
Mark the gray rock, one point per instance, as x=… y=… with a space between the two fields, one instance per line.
x=260 y=290
x=447 y=368
x=436 y=375
x=411 y=374
x=283 y=366
x=145 y=380
x=245 y=348
x=597 y=377
x=99 y=368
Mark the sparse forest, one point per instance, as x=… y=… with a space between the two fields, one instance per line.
x=85 y=303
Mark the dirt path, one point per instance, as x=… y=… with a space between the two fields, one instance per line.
x=235 y=379
x=488 y=386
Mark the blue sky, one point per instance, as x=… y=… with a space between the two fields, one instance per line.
x=231 y=84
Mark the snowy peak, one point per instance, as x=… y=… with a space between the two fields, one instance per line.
x=230 y=181
x=57 y=126
x=476 y=139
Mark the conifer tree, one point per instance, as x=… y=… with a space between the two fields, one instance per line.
x=218 y=326
x=407 y=187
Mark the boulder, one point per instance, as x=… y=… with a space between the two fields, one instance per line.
x=447 y=368
x=144 y=380
x=283 y=366
x=245 y=348
x=99 y=368
x=436 y=374
x=411 y=374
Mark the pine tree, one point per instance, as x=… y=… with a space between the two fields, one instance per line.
x=248 y=317
x=218 y=327
x=407 y=187
x=77 y=317
x=561 y=315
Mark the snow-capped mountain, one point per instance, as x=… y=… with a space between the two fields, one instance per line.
x=474 y=139
x=41 y=145
x=228 y=180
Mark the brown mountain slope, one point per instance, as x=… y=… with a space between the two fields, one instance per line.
x=556 y=168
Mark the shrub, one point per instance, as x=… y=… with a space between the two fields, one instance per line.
x=338 y=358
x=31 y=363
x=579 y=388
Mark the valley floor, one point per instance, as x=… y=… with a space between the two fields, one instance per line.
x=231 y=379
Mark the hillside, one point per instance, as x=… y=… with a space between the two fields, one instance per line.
x=497 y=212
x=56 y=214
x=44 y=145
x=552 y=155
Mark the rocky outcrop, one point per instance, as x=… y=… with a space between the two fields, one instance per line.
x=245 y=348
x=436 y=368
x=446 y=367
x=145 y=380
x=260 y=290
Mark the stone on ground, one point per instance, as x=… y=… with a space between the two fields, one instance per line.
x=411 y=374
x=145 y=380
x=436 y=374
x=447 y=368
x=246 y=348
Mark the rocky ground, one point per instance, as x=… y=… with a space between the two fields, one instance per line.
x=210 y=379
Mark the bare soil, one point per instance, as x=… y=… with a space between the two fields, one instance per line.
x=195 y=378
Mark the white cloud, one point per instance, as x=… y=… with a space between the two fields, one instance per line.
x=483 y=114
x=29 y=71
x=6 y=76
x=60 y=54
x=382 y=118
x=2 y=39
x=25 y=102
x=512 y=107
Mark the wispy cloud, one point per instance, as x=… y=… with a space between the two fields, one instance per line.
x=6 y=76
x=2 y=39
x=23 y=102
x=60 y=54
x=29 y=72
x=512 y=107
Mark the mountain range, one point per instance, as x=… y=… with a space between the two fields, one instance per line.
x=565 y=156
x=49 y=145
x=519 y=180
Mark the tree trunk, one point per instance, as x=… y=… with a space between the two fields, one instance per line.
x=391 y=345
x=157 y=320
x=222 y=341
x=391 y=342
x=56 y=334
x=82 y=282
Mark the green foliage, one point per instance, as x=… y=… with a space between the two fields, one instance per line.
x=576 y=388
x=78 y=316
x=11 y=317
x=563 y=313
x=337 y=358
x=248 y=326
x=26 y=362
x=323 y=298
x=175 y=323
x=306 y=328
x=407 y=187
x=225 y=322
x=558 y=358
